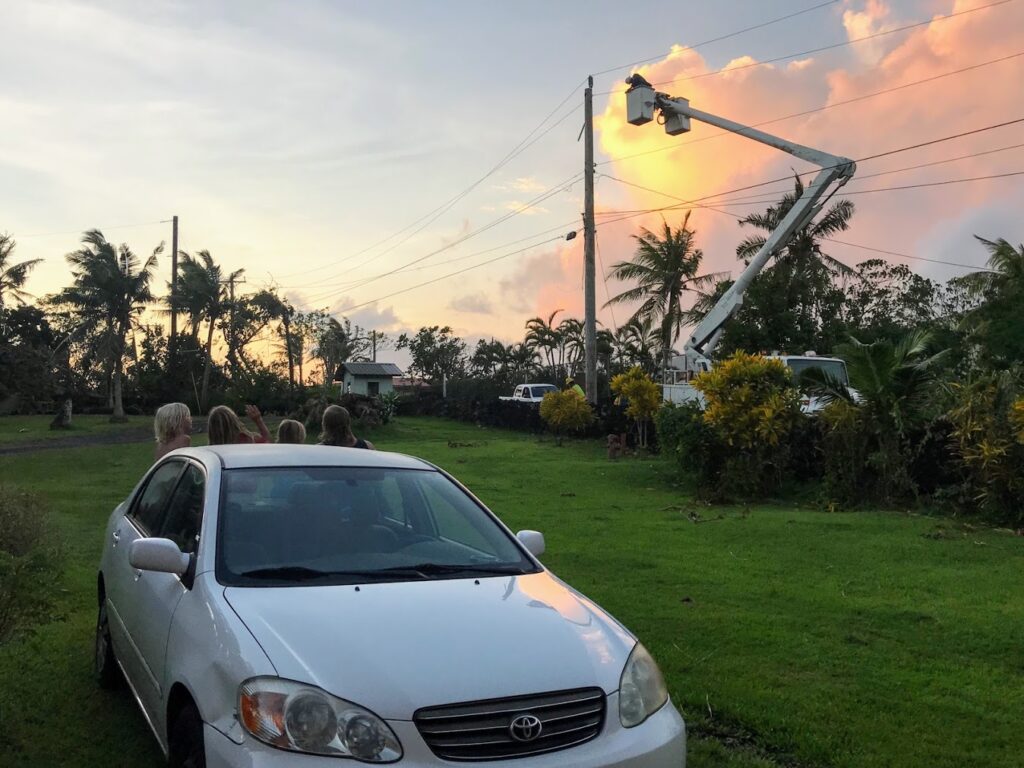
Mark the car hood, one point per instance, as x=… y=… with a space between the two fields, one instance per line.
x=396 y=647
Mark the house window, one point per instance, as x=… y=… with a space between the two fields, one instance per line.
x=373 y=388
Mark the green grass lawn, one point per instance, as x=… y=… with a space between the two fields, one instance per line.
x=788 y=636
x=29 y=429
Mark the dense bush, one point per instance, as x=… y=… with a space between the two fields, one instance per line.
x=752 y=409
x=30 y=562
x=988 y=434
x=687 y=438
x=565 y=412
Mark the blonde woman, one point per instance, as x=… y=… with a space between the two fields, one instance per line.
x=291 y=431
x=336 y=429
x=172 y=427
x=223 y=426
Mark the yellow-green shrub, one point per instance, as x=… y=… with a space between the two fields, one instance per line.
x=565 y=412
x=643 y=396
x=752 y=408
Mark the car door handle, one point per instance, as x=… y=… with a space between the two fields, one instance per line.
x=116 y=536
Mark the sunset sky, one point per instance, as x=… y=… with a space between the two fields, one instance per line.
x=292 y=138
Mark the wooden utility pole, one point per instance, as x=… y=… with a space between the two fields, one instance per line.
x=232 y=352
x=589 y=235
x=174 y=289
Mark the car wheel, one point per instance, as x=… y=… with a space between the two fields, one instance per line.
x=108 y=674
x=186 y=748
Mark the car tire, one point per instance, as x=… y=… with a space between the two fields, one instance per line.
x=185 y=744
x=108 y=673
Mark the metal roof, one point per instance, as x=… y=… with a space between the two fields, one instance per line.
x=368 y=369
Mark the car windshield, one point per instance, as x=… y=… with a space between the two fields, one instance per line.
x=351 y=525
x=834 y=368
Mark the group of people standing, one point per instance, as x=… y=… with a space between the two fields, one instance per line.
x=172 y=427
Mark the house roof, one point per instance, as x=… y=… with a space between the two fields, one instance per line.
x=368 y=369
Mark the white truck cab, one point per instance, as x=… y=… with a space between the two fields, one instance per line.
x=530 y=393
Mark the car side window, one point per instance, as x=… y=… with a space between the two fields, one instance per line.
x=184 y=515
x=149 y=508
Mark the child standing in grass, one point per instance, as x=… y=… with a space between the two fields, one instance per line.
x=172 y=427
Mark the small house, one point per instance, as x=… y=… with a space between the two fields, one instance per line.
x=367 y=378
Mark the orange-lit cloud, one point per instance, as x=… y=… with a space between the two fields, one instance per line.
x=695 y=165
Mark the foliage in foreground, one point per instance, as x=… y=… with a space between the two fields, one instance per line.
x=30 y=562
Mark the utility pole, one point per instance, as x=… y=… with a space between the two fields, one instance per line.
x=174 y=289
x=373 y=343
x=589 y=236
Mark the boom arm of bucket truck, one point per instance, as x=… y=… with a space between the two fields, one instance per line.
x=641 y=103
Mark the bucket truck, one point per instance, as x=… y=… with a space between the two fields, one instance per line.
x=642 y=101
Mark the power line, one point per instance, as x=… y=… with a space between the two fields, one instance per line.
x=452 y=274
x=887 y=153
x=908 y=256
x=550 y=192
x=844 y=43
x=823 y=108
x=521 y=147
x=701 y=44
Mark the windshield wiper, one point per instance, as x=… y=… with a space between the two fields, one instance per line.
x=302 y=573
x=442 y=569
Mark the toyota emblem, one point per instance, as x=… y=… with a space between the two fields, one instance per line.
x=525 y=727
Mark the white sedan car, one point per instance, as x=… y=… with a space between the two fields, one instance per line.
x=303 y=605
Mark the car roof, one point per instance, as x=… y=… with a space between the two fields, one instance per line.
x=288 y=455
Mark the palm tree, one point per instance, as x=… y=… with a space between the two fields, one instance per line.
x=664 y=268
x=542 y=337
x=201 y=294
x=999 y=292
x=13 y=276
x=638 y=342
x=111 y=288
x=892 y=384
x=571 y=344
x=809 y=272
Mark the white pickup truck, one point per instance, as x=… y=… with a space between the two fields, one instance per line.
x=530 y=393
x=679 y=390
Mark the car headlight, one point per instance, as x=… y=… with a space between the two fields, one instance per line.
x=304 y=718
x=642 y=690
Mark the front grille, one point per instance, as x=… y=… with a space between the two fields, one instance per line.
x=481 y=730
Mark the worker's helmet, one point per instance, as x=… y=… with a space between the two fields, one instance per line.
x=569 y=380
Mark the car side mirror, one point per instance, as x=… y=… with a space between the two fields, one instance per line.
x=161 y=555
x=533 y=541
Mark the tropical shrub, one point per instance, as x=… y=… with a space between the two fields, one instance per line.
x=643 y=399
x=689 y=440
x=871 y=439
x=388 y=406
x=30 y=562
x=988 y=432
x=752 y=409
x=565 y=412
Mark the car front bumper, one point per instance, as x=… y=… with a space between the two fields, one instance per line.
x=658 y=742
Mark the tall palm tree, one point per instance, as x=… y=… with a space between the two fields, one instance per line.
x=111 y=288
x=664 y=268
x=13 y=276
x=996 y=319
x=809 y=272
x=542 y=337
x=201 y=294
